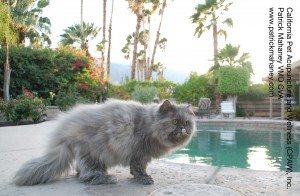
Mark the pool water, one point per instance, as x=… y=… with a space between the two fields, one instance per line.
x=242 y=148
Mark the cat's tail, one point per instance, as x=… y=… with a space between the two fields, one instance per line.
x=45 y=169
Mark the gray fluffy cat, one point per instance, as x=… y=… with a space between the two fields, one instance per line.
x=98 y=137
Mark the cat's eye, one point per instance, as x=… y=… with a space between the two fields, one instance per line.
x=186 y=122
x=175 y=121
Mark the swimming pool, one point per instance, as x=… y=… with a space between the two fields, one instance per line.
x=240 y=147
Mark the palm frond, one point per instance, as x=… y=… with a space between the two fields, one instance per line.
x=27 y=15
x=223 y=33
x=228 y=22
x=73 y=35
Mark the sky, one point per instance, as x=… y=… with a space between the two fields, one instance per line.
x=184 y=52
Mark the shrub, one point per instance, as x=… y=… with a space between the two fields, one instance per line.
x=23 y=107
x=165 y=88
x=53 y=71
x=67 y=99
x=233 y=80
x=256 y=92
x=31 y=69
x=119 y=92
x=295 y=114
x=240 y=112
x=144 y=94
x=79 y=73
x=194 y=88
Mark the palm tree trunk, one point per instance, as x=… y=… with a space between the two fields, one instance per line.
x=147 y=54
x=81 y=25
x=22 y=36
x=135 y=43
x=217 y=94
x=109 y=40
x=156 y=40
x=103 y=39
x=139 y=17
x=104 y=19
x=215 y=38
x=6 y=79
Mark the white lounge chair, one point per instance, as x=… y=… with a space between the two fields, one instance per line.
x=227 y=108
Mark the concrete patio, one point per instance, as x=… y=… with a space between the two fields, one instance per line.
x=21 y=143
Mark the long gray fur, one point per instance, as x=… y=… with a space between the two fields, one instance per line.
x=97 y=137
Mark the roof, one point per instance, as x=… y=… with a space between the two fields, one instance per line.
x=295 y=73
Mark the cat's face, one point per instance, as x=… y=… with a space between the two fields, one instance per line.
x=176 y=123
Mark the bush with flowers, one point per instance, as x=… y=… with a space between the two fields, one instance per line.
x=79 y=78
x=55 y=74
x=23 y=107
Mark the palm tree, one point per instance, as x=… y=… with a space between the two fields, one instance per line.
x=207 y=16
x=8 y=35
x=157 y=40
x=74 y=36
x=229 y=56
x=81 y=20
x=141 y=59
x=103 y=37
x=143 y=62
x=28 y=20
x=109 y=40
x=136 y=7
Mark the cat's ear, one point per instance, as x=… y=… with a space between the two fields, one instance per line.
x=189 y=110
x=165 y=106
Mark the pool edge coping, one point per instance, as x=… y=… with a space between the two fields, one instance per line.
x=253 y=123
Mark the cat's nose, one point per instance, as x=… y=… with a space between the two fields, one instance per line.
x=181 y=127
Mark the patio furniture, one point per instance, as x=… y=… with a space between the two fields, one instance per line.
x=204 y=107
x=227 y=108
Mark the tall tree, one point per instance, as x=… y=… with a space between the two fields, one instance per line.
x=103 y=38
x=207 y=16
x=8 y=35
x=144 y=60
x=136 y=7
x=74 y=37
x=109 y=39
x=81 y=21
x=229 y=56
x=28 y=19
x=158 y=42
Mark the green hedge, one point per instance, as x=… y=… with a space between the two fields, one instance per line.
x=194 y=88
x=256 y=92
x=233 y=80
x=144 y=94
x=31 y=69
x=166 y=88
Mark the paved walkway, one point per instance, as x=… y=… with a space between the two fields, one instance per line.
x=21 y=143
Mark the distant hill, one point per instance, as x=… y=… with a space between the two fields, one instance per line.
x=119 y=72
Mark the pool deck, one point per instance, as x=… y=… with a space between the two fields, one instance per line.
x=21 y=143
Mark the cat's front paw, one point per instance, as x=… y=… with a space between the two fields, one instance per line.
x=111 y=179
x=146 y=180
x=99 y=179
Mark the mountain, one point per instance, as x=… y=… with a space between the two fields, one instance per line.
x=119 y=73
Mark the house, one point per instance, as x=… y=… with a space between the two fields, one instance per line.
x=281 y=85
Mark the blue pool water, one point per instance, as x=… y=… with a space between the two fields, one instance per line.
x=242 y=148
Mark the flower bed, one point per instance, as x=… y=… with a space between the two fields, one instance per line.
x=25 y=107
